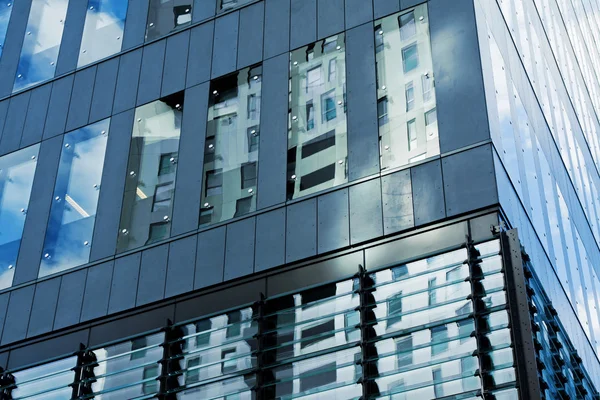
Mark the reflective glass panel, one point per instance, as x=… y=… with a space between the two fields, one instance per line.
x=103 y=30
x=42 y=42
x=45 y=382
x=151 y=172
x=225 y=5
x=165 y=16
x=16 y=179
x=317 y=134
x=73 y=213
x=231 y=148
x=5 y=12
x=408 y=129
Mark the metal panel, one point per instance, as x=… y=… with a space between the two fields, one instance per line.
x=81 y=98
x=176 y=59
x=70 y=298
x=250 y=48
x=36 y=115
x=12 y=46
x=151 y=72
x=59 y=106
x=225 y=44
x=200 y=54
x=181 y=266
x=428 y=192
x=104 y=90
x=239 y=249
x=71 y=39
x=125 y=279
x=334 y=222
x=366 y=218
x=15 y=120
x=272 y=154
x=188 y=187
x=301 y=230
x=457 y=69
x=210 y=258
x=112 y=186
x=467 y=191
x=4 y=297
x=3 y=114
x=202 y=10
x=330 y=19
x=303 y=23
x=481 y=227
x=153 y=273
x=17 y=315
x=97 y=291
x=277 y=27
x=381 y=8
x=396 y=192
x=363 y=133
x=270 y=240
x=358 y=12
x=135 y=25
x=404 y=4
x=38 y=211
x=44 y=307
x=127 y=81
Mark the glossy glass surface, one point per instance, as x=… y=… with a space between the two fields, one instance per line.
x=405 y=96
x=103 y=30
x=73 y=213
x=231 y=147
x=151 y=172
x=16 y=180
x=42 y=42
x=5 y=12
x=317 y=129
x=45 y=382
x=165 y=16
x=225 y=5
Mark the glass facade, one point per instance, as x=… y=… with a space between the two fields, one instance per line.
x=103 y=30
x=5 y=12
x=317 y=128
x=406 y=109
x=231 y=146
x=225 y=5
x=43 y=36
x=166 y=16
x=151 y=171
x=16 y=180
x=75 y=200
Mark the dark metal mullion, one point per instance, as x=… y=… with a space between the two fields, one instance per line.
x=367 y=346
x=260 y=354
x=170 y=362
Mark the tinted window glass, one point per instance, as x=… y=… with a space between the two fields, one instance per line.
x=165 y=16
x=5 y=12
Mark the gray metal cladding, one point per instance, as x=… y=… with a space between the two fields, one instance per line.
x=124 y=283
x=151 y=72
x=277 y=27
x=17 y=315
x=15 y=121
x=36 y=115
x=203 y=9
x=104 y=90
x=366 y=214
x=70 y=299
x=381 y=8
x=330 y=19
x=428 y=192
x=200 y=54
x=3 y=112
x=225 y=44
x=301 y=230
x=56 y=118
x=81 y=98
x=239 y=248
x=127 y=81
x=303 y=23
x=358 y=12
x=176 y=59
x=153 y=273
x=71 y=39
x=135 y=27
x=97 y=291
x=210 y=258
x=270 y=240
x=44 y=307
x=334 y=221
x=397 y=198
x=250 y=46
x=181 y=266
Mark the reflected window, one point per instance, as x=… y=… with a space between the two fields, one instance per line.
x=438 y=388
x=379 y=44
x=318 y=377
x=192 y=375
x=151 y=173
x=42 y=42
x=317 y=333
x=203 y=337
x=432 y=294
x=404 y=346
x=75 y=200
x=165 y=16
x=229 y=363
x=225 y=5
x=231 y=155
x=439 y=334
x=138 y=348
x=48 y=381
x=150 y=385
x=406 y=94
x=317 y=84
x=103 y=30
x=394 y=306
x=6 y=7
x=16 y=180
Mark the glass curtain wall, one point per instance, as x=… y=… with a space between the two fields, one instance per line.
x=5 y=12
x=165 y=16
x=406 y=107
x=225 y=5
x=151 y=172
x=317 y=128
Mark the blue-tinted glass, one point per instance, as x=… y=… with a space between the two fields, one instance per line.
x=73 y=212
x=16 y=178
x=5 y=11
x=103 y=30
x=42 y=42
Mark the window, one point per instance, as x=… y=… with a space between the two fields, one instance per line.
x=404 y=348
x=253 y=138
x=409 y=91
x=399 y=272
x=202 y=334
x=253 y=107
x=229 y=364
x=234 y=327
x=465 y=327
x=310 y=115
x=318 y=144
x=382 y=111
x=410 y=58
x=431 y=284
x=313 y=78
x=352 y=320
x=167 y=162
x=192 y=375
x=332 y=69
x=379 y=45
x=408 y=28
x=427 y=85
x=214 y=183
x=394 y=306
x=317 y=177
x=454 y=274
x=430 y=117
x=150 y=384
x=411 y=128
x=248 y=172
x=317 y=333
x=158 y=231
x=243 y=206
x=439 y=334
x=165 y=16
x=328 y=106
x=138 y=350
x=318 y=377
x=438 y=387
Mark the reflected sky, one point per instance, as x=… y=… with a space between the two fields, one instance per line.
x=71 y=224
x=103 y=30
x=5 y=11
x=42 y=42
x=16 y=179
x=49 y=381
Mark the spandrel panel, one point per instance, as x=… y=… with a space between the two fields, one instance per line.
x=231 y=147
x=406 y=105
x=6 y=7
x=75 y=200
x=317 y=127
x=165 y=16
x=16 y=180
x=42 y=42
x=103 y=30
x=151 y=172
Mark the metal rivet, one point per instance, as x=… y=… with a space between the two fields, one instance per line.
x=57 y=198
x=253 y=132
x=23 y=210
x=33 y=157
x=19 y=76
x=294 y=118
x=67 y=145
x=338 y=47
x=86 y=243
x=250 y=190
x=255 y=77
x=124 y=231
x=10 y=266
x=95 y=186
x=383 y=87
x=387 y=147
x=103 y=133
x=381 y=32
x=341 y=162
x=206 y=205
x=131 y=173
x=151 y=23
x=211 y=146
x=293 y=177
x=295 y=62
x=340 y=102
x=92 y=7
x=84 y=51
x=215 y=92
x=46 y=255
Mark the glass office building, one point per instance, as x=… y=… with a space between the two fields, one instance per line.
x=299 y=199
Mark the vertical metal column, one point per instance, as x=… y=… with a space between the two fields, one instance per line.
x=367 y=333
x=171 y=362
